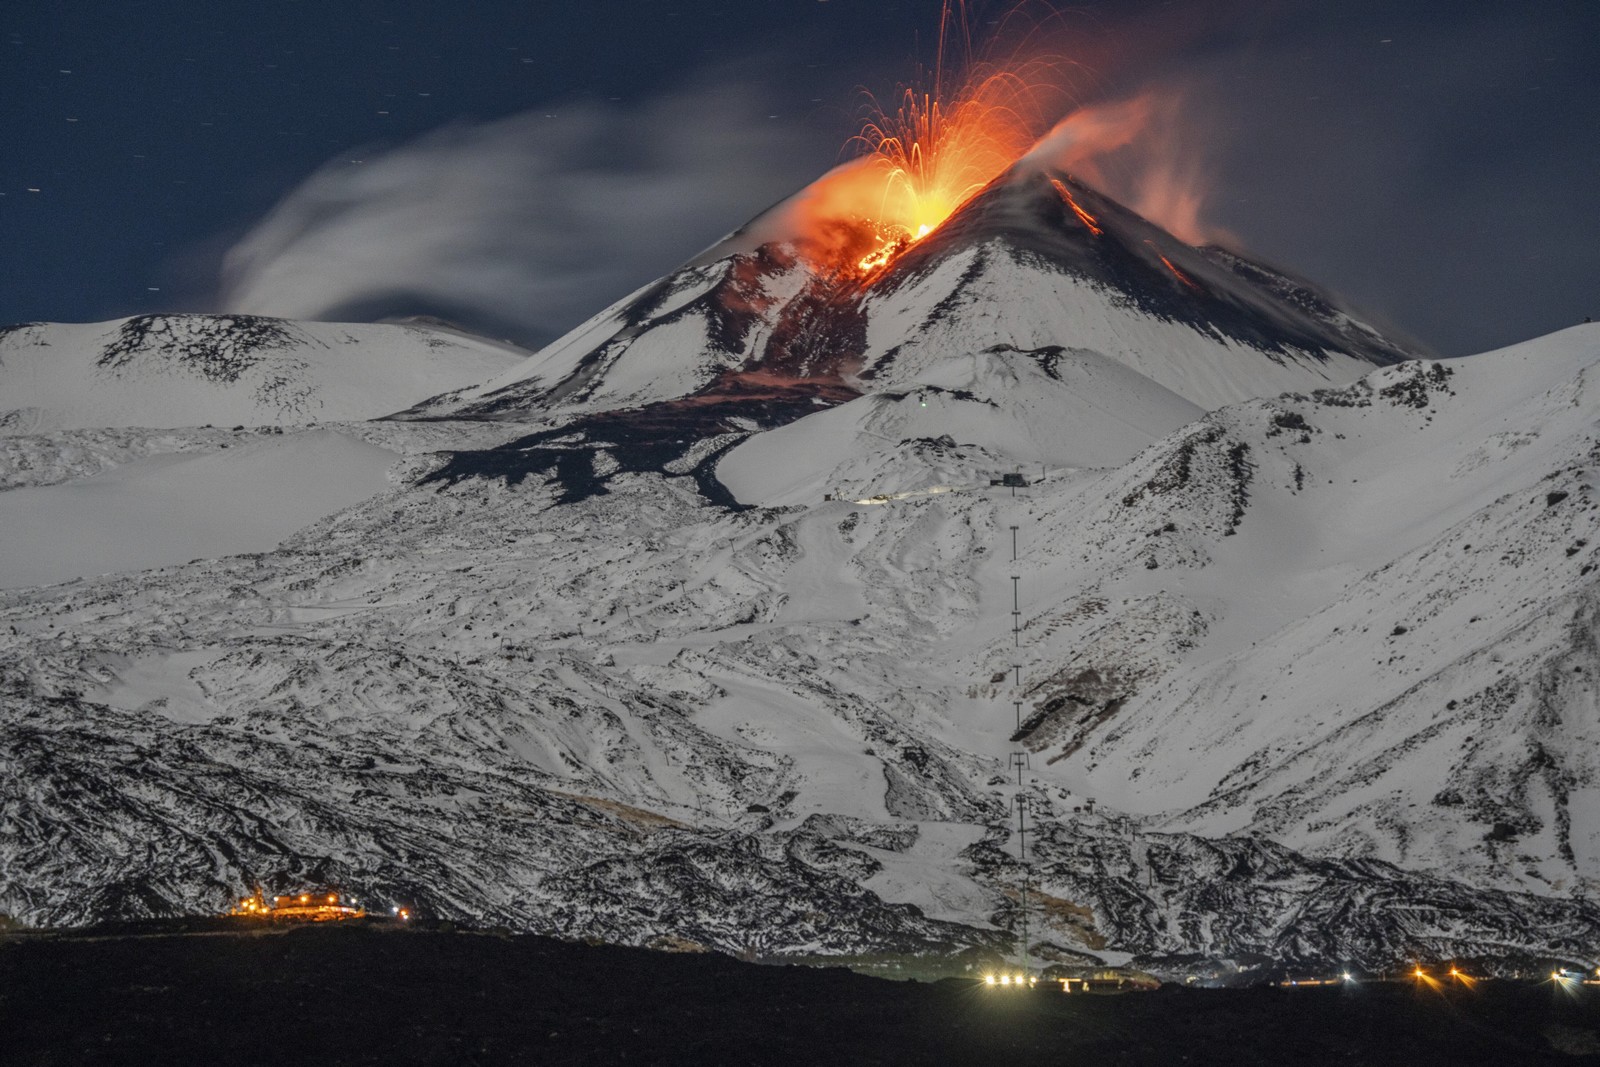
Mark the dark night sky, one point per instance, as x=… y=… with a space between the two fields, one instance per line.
x=520 y=165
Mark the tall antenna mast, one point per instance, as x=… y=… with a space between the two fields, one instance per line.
x=1019 y=759
x=1020 y=801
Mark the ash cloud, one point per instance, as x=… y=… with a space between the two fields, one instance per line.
x=525 y=225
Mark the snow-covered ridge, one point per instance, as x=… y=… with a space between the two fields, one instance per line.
x=992 y=296
x=1376 y=610
x=194 y=370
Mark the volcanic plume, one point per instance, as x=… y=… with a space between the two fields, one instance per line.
x=955 y=131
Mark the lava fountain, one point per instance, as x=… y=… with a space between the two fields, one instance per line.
x=951 y=135
x=929 y=157
x=921 y=161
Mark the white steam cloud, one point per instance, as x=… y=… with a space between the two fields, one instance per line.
x=530 y=222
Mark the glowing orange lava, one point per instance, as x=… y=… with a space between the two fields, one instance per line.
x=1089 y=221
x=947 y=138
x=1178 y=274
x=929 y=158
x=937 y=148
x=1182 y=277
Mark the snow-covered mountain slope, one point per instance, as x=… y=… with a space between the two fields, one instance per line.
x=1369 y=613
x=671 y=339
x=194 y=370
x=977 y=413
x=1036 y=262
x=245 y=496
x=564 y=679
x=1039 y=259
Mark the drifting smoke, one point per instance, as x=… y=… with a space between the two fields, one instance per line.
x=979 y=115
x=1139 y=151
x=523 y=225
x=1142 y=152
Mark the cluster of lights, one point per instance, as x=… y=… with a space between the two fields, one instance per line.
x=1011 y=980
x=1294 y=983
x=250 y=906
x=297 y=906
x=1564 y=978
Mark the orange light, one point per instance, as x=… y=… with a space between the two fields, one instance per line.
x=930 y=156
x=926 y=155
x=1176 y=273
x=1089 y=221
x=1182 y=277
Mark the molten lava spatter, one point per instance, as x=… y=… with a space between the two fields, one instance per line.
x=922 y=161
x=930 y=157
x=972 y=121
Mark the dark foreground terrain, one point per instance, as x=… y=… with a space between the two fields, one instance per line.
x=215 y=993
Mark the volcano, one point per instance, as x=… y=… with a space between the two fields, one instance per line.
x=1036 y=277
x=1035 y=261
